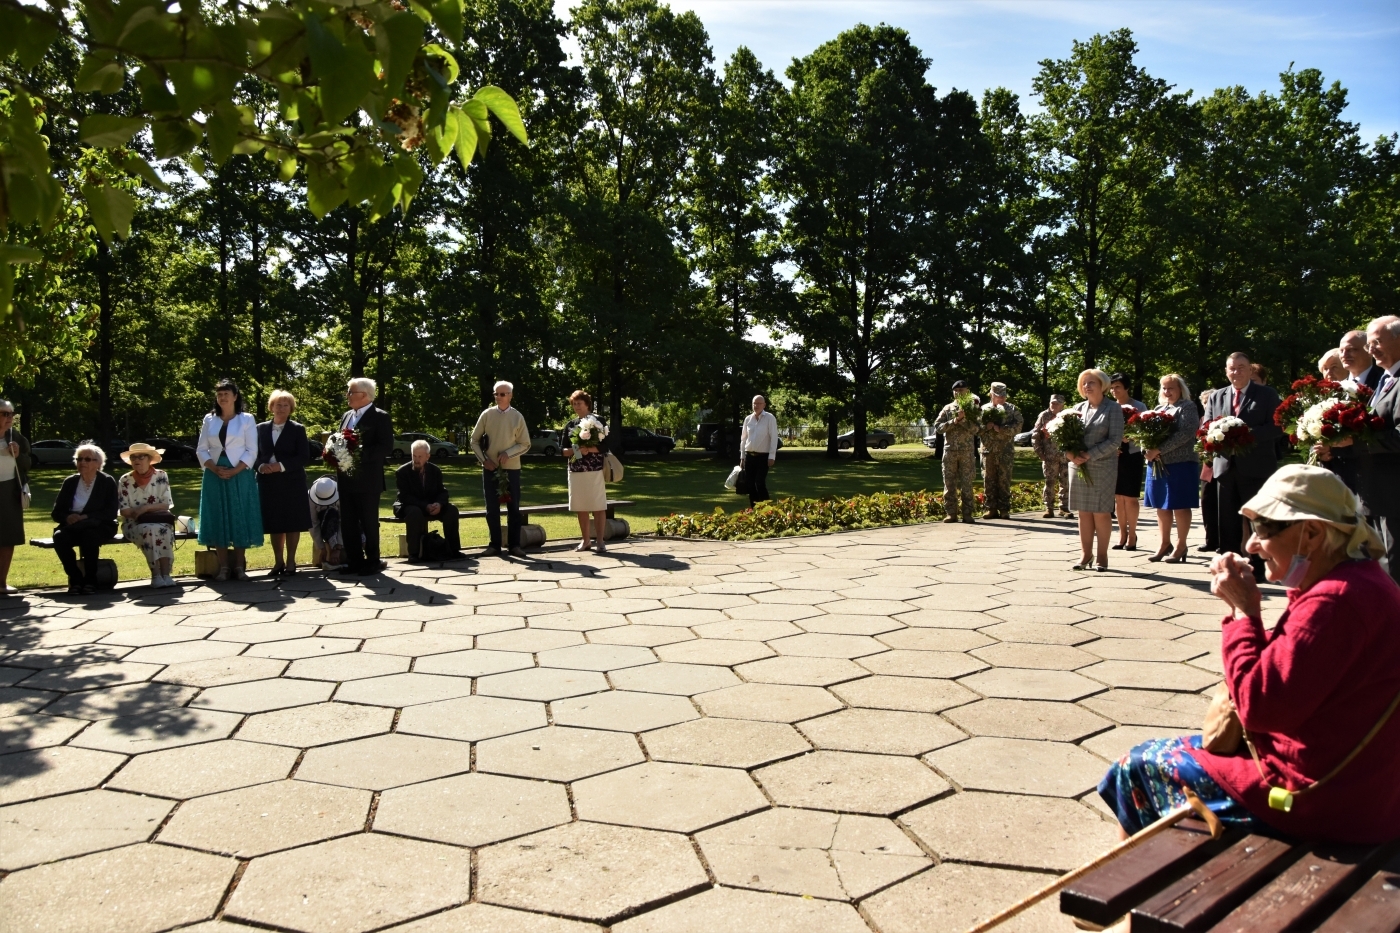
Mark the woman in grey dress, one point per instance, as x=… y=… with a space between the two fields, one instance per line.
x=1093 y=500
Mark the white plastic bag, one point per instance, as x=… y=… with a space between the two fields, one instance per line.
x=732 y=479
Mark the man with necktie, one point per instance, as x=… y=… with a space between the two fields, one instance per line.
x=1361 y=371
x=360 y=491
x=1239 y=478
x=1380 y=457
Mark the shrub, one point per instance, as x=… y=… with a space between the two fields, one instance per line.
x=787 y=517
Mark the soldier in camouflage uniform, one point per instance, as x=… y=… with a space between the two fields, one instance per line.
x=999 y=454
x=958 y=465
x=1053 y=464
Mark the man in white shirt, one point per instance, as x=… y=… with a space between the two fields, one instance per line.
x=498 y=440
x=759 y=445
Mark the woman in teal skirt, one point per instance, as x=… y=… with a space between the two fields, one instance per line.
x=230 y=515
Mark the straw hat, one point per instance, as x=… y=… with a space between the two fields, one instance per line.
x=325 y=491
x=1296 y=493
x=140 y=448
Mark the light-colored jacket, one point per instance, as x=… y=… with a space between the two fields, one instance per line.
x=760 y=434
x=509 y=437
x=242 y=439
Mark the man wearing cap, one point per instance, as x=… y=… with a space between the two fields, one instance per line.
x=327 y=542
x=999 y=452
x=958 y=432
x=1053 y=465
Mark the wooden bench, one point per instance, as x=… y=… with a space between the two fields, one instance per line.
x=119 y=539
x=1182 y=881
x=535 y=534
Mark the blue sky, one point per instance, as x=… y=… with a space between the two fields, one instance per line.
x=1194 y=45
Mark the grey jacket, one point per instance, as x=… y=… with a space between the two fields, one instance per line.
x=1181 y=446
x=1103 y=427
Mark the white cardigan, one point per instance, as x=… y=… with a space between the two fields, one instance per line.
x=242 y=439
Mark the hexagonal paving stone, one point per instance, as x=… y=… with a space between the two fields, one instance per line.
x=36 y=730
x=16 y=701
x=472 y=718
x=888 y=732
x=338 y=886
x=812 y=853
x=187 y=651
x=623 y=711
x=851 y=782
x=1038 y=633
x=643 y=636
x=952 y=897
x=714 y=651
x=75 y=824
x=194 y=770
x=677 y=679
x=155 y=635
x=1151 y=708
x=842 y=624
x=667 y=795
x=574 y=620
x=938 y=618
x=597 y=657
x=802 y=671
x=935 y=639
x=128 y=890
x=124 y=700
x=809 y=645
x=472 y=809
x=298 y=648
x=1116 y=743
x=1027 y=719
x=768 y=702
x=263 y=631
x=730 y=909
x=542 y=684
x=898 y=663
x=747 y=629
x=486 y=918
x=1017 y=766
x=356 y=665
x=558 y=754
x=529 y=640
x=1151 y=675
x=370 y=628
x=416 y=644
x=729 y=743
x=1135 y=628
x=403 y=689
x=147 y=732
x=917 y=694
x=217 y=671
x=1117 y=609
x=319 y=724
x=1051 y=615
x=589 y=870
x=268 y=817
x=1026 y=684
x=70 y=677
x=1038 y=657
x=685 y=617
x=1013 y=831
x=384 y=761
x=259 y=696
x=474 y=663
x=1152 y=649
x=44 y=772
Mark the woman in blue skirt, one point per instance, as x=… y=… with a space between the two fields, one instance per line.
x=1178 y=492
x=230 y=515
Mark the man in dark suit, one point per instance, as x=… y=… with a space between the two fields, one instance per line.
x=1361 y=371
x=1239 y=478
x=360 y=491
x=1210 y=502
x=1380 y=457
x=423 y=498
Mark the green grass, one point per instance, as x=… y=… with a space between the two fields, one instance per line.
x=685 y=481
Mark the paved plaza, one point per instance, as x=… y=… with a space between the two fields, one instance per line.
x=891 y=730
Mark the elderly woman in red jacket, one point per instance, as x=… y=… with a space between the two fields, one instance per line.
x=1317 y=696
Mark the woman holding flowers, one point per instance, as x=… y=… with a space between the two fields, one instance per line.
x=230 y=514
x=588 y=494
x=1172 y=469
x=1092 y=483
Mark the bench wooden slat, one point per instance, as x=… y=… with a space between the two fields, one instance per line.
x=559 y=508
x=1209 y=892
x=1110 y=892
x=1373 y=909
x=119 y=539
x=1305 y=891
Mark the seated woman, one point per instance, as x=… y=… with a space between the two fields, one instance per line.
x=144 y=503
x=327 y=542
x=1315 y=696
x=86 y=513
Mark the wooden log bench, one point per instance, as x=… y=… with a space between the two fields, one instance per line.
x=533 y=536
x=1182 y=881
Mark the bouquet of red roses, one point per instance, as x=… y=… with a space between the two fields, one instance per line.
x=1226 y=436
x=342 y=451
x=1333 y=420
x=1148 y=430
x=1307 y=392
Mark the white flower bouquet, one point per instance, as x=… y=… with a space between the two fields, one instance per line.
x=342 y=451
x=589 y=432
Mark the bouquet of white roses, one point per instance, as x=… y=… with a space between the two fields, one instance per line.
x=342 y=451
x=589 y=432
x=994 y=414
x=1067 y=431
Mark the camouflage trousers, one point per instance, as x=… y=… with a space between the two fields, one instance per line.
x=996 y=479
x=959 y=469
x=1056 y=474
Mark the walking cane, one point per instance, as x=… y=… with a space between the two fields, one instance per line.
x=1166 y=822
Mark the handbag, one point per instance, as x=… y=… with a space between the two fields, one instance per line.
x=164 y=517
x=612 y=469
x=24 y=497
x=731 y=481
x=1223 y=730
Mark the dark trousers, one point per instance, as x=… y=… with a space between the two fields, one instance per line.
x=493 y=507
x=88 y=537
x=359 y=515
x=416 y=520
x=1210 y=514
x=1234 y=491
x=756 y=469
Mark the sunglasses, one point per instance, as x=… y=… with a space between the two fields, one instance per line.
x=1263 y=529
x=140 y=456
x=88 y=460
x=7 y=414
x=502 y=395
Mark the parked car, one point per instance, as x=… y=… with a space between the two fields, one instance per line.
x=546 y=443
x=113 y=449
x=441 y=449
x=640 y=440
x=176 y=450
x=1023 y=439
x=874 y=437
x=52 y=453
x=709 y=436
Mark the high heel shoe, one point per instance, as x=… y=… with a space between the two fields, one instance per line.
x=1162 y=552
x=1178 y=555
x=1120 y=545
x=1132 y=544
x=1084 y=564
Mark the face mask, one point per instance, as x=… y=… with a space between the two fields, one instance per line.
x=1297 y=571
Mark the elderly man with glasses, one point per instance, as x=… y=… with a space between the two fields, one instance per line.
x=14 y=491
x=498 y=440
x=360 y=490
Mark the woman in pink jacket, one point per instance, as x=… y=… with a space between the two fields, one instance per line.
x=1317 y=696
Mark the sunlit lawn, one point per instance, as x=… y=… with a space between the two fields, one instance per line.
x=685 y=481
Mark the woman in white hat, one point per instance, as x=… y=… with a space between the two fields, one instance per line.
x=327 y=544
x=144 y=503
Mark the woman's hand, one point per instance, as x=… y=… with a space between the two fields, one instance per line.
x=1232 y=580
x=14 y=449
x=1150 y=455
x=1347 y=442
x=1079 y=459
x=568 y=452
x=1323 y=452
x=75 y=517
x=588 y=450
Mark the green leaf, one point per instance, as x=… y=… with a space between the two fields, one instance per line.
x=446 y=69
x=345 y=73
x=502 y=105
x=403 y=34
x=324 y=189
x=12 y=254
x=107 y=131
x=287 y=169
x=443 y=137
x=103 y=75
x=365 y=178
x=173 y=137
x=447 y=14
x=135 y=165
x=466 y=138
x=221 y=132
x=111 y=210
x=34 y=37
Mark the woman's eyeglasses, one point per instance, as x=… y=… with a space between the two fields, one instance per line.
x=87 y=460
x=140 y=456
x=1263 y=529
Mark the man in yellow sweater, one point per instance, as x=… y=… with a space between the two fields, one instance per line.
x=498 y=440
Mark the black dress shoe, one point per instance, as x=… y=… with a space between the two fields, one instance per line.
x=518 y=552
x=1205 y=547
x=492 y=551
x=370 y=568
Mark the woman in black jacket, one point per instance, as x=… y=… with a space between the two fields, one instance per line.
x=86 y=513
x=283 y=453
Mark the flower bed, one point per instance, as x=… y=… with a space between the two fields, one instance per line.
x=786 y=517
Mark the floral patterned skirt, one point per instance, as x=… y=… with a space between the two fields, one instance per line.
x=1147 y=783
x=152 y=539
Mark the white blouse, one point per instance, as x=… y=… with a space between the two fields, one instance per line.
x=242 y=439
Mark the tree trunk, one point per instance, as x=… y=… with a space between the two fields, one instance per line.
x=255 y=308
x=355 y=296
x=1139 y=363
x=225 y=318
x=1091 y=290
x=379 y=343
x=104 y=343
x=833 y=417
